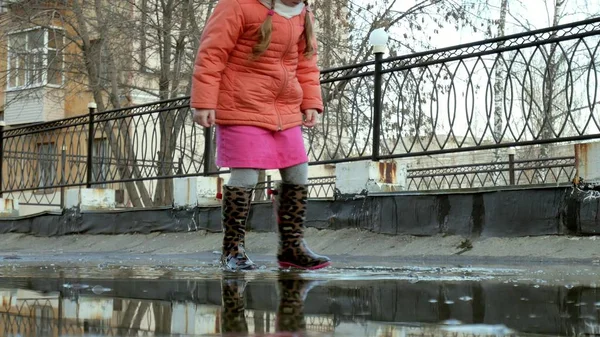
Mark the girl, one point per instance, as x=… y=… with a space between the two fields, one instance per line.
x=256 y=77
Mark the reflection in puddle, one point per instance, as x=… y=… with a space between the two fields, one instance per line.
x=33 y=307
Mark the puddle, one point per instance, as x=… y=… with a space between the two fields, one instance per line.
x=287 y=302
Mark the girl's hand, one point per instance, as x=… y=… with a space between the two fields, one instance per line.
x=204 y=117
x=310 y=117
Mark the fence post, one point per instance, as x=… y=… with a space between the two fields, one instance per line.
x=511 y=165
x=378 y=39
x=63 y=165
x=269 y=189
x=207 y=150
x=2 y=125
x=90 y=145
x=377 y=107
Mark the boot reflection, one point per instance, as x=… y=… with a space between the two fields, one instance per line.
x=233 y=320
x=290 y=312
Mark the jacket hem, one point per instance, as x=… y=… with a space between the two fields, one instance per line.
x=268 y=126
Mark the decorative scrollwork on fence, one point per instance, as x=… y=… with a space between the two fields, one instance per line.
x=318 y=188
x=523 y=172
x=534 y=88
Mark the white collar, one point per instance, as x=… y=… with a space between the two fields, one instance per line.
x=284 y=10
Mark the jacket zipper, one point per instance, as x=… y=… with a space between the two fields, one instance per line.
x=285 y=80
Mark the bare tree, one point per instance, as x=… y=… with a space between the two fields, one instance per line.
x=558 y=63
x=169 y=32
x=346 y=129
x=102 y=58
x=90 y=65
x=499 y=79
x=163 y=31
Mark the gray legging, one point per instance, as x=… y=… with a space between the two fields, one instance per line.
x=248 y=178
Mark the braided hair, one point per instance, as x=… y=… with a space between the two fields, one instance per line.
x=266 y=30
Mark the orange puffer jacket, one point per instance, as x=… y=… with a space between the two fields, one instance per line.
x=269 y=92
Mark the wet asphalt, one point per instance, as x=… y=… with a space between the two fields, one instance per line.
x=116 y=294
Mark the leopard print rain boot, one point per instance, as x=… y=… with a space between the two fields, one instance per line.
x=290 y=311
x=292 y=290
x=236 y=206
x=233 y=319
x=293 y=252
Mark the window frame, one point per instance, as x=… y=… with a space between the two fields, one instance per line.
x=56 y=51
x=44 y=50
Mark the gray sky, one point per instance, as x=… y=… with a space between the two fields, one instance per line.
x=534 y=13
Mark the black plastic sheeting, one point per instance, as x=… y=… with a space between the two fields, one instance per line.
x=510 y=213
x=545 y=309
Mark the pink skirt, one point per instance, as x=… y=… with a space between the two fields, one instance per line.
x=258 y=148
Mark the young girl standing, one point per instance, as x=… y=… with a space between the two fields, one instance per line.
x=256 y=78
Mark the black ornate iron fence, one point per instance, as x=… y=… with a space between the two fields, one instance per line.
x=556 y=171
x=538 y=87
x=318 y=188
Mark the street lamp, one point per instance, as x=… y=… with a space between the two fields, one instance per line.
x=378 y=39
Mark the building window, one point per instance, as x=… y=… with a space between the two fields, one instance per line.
x=101 y=159
x=47 y=164
x=35 y=58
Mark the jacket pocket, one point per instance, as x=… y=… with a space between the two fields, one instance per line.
x=293 y=93
x=253 y=92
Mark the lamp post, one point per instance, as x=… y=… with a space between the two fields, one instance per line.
x=378 y=40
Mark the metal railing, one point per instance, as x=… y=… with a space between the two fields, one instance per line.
x=534 y=88
x=555 y=171
x=318 y=188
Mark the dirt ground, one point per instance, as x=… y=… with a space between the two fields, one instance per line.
x=348 y=243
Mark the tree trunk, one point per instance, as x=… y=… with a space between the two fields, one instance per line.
x=498 y=82
x=169 y=83
x=164 y=38
x=196 y=31
x=163 y=314
x=91 y=65
x=549 y=84
x=137 y=321
x=125 y=125
x=128 y=317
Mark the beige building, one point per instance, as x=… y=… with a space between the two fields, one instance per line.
x=44 y=79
